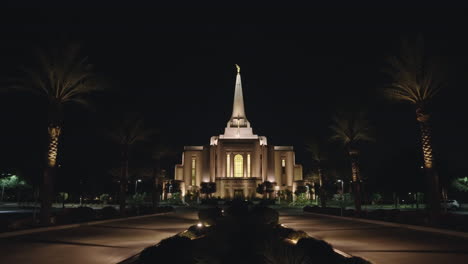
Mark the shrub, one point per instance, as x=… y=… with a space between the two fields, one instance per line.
x=319 y=250
x=309 y=208
x=266 y=202
x=84 y=214
x=237 y=209
x=109 y=212
x=104 y=198
x=265 y=215
x=210 y=215
x=297 y=235
x=356 y=260
x=175 y=199
x=163 y=209
x=301 y=200
x=74 y=215
x=169 y=251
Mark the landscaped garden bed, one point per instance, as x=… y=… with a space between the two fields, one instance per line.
x=448 y=220
x=242 y=234
x=12 y=222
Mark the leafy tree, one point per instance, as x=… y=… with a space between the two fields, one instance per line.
x=11 y=182
x=104 y=198
x=318 y=158
x=376 y=198
x=300 y=190
x=351 y=129
x=172 y=187
x=208 y=188
x=60 y=76
x=460 y=184
x=62 y=197
x=416 y=79
x=137 y=200
x=159 y=153
x=265 y=188
x=129 y=132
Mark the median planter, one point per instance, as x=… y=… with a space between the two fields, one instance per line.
x=242 y=235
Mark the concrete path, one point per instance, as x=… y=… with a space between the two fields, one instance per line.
x=98 y=244
x=380 y=244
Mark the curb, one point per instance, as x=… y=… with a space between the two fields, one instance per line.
x=60 y=227
x=412 y=227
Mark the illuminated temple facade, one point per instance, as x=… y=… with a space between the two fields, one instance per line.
x=238 y=160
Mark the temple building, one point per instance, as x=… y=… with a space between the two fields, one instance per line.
x=238 y=160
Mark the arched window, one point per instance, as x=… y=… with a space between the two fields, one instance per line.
x=238 y=166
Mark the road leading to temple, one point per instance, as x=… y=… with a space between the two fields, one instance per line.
x=98 y=244
x=380 y=244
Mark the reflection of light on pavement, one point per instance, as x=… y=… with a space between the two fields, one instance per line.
x=346 y=255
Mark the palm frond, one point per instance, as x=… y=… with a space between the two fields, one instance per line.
x=316 y=150
x=61 y=74
x=131 y=130
x=350 y=128
x=415 y=78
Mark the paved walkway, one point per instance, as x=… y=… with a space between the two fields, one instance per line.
x=380 y=244
x=98 y=244
x=113 y=242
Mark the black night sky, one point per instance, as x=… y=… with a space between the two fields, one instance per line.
x=175 y=67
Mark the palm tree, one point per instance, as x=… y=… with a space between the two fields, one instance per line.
x=415 y=79
x=318 y=157
x=159 y=153
x=351 y=129
x=130 y=131
x=61 y=76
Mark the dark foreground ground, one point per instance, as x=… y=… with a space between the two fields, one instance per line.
x=113 y=242
x=380 y=244
x=104 y=244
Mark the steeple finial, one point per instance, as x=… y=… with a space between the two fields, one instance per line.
x=238 y=118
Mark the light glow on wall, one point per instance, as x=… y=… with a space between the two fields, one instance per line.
x=194 y=170
x=248 y=166
x=228 y=165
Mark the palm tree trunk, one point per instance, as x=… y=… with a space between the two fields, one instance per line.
x=49 y=172
x=123 y=180
x=356 y=182
x=155 y=190
x=156 y=193
x=431 y=175
x=322 y=192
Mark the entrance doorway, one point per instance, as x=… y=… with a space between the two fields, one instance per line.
x=239 y=194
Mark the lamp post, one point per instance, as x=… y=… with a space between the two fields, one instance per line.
x=342 y=196
x=136 y=184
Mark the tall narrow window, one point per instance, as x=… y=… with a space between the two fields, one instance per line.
x=283 y=171
x=248 y=166
x=283 y=166
x=194 y=170
x=228 y=165
x=238 y=166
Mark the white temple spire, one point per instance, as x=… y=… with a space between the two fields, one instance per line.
x=238 y=118
x=238 y=127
